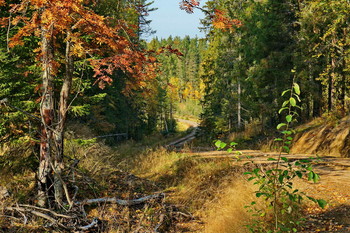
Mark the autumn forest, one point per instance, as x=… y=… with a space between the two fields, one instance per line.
x=105 y=127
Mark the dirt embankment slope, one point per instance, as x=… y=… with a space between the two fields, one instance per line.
x=324 y=137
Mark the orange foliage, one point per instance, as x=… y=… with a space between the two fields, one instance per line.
x=221 y=21
x=71 y=20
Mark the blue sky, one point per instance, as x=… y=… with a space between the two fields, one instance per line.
x=169 y=19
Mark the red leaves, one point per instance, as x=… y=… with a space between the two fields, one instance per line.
x=221 y=21
x=174 y=51
x=4 y=22
x=165 y=49
x=189 y=5
x=91 y=35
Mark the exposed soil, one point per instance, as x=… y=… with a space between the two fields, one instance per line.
x=324 y=138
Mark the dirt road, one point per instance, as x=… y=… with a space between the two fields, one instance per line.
x=182 y=141
x=334 y=187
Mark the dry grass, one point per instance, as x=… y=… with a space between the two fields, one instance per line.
x=154 y=163
x=213 y=189
x=252 y=129
x=227 y=214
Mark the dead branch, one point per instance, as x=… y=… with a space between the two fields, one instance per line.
x=119 y=201
x=189 y=216
x=161 y=220
x=49 y=211
x=8 y=33
x=91 y=225
x=70 y=202
x=39 y=214
x=8 y=216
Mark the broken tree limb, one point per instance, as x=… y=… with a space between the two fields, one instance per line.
x=91 y=225
x=48 y=211
x=121 y=202
x=39 y=214
x=161 y=220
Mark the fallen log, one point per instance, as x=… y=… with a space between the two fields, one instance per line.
x=114 y=200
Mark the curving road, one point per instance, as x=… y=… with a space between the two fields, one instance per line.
x=182 y=141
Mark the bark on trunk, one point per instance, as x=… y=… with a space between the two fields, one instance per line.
x=239 y=117
x=47 y=115
x=330 y=86
x=59 y=132
x=52 y=138
x=342 y=94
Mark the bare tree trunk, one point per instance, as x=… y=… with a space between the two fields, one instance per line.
x=171 y=109
x=165 y=122
x=62 y=115
x=343 y=85
x=47 y=115
x=330 y=86
x=239 y=107
x=239 y=92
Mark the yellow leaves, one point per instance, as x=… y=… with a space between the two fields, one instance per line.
x=219 y=25
x=78 y=50
x=48 y=17
x=4 y=22
x=16 y=20
x=221 y=21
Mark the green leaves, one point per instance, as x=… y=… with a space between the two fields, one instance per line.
x=322 y=203
x=281 y=125
x=284 y=92
x=220 y=145
x=296 y=88
x=312 y=176
x=292 y=101
x=276 y=182
x=289 y=118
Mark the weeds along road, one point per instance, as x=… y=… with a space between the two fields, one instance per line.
x=334 y=185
